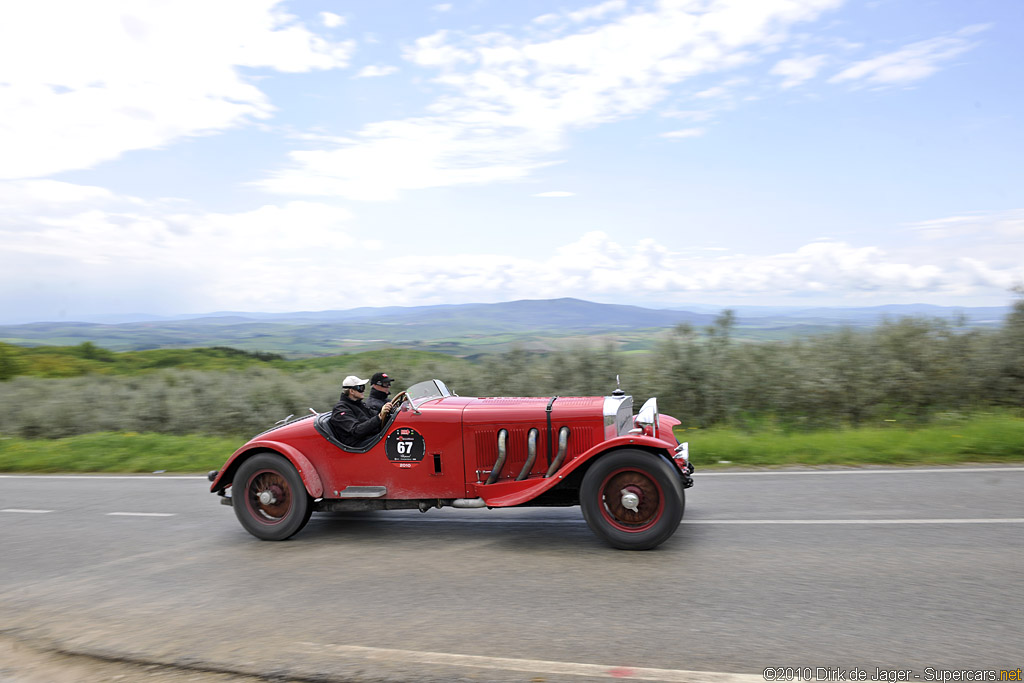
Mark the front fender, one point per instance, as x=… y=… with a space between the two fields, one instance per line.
x=310 y=477
x=509 y=493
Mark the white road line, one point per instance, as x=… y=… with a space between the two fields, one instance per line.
x=140 y=514
x=988 y=520
x=909 y=470
x=498 y=520
x=550 y=668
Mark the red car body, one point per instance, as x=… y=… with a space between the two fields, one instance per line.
x=438 y=449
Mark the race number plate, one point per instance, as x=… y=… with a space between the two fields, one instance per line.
x=405 y=448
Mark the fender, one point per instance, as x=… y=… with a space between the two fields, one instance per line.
x=310 y=477
x=509 y=493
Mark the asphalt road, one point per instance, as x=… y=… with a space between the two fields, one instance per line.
x=894 y=570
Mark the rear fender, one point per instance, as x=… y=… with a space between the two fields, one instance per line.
x=310 y=477
x=507 y=493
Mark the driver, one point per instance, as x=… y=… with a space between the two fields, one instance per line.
x=380 y=387
x=352 y=422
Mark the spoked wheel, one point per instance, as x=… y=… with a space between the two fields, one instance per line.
x=632 y=499
x=269 y=497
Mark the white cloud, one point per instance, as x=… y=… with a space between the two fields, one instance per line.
x=979 y=225
x=100 y=226
x=596 y=266
x=434 y=51
x=115 y=245
x=82 y=83
x=289 y=256
x=716 y=92
x=546 y=19
x=29 y=196
x=988 y=244
x=332 y=20
x=374 y=71
x=511 y=102
x=412 y=154
x=684 y=133
x=555 y=194
x=597 y=11
x=798 y=70
x=911 y=63
x=690 y=115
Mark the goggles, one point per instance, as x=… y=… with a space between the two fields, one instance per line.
x=358 y=387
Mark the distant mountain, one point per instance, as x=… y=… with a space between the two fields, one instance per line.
x=463 y=329
x=587 y=312
x=449 y=327
x=871 y=315
x=541 y=313
x=546 y=314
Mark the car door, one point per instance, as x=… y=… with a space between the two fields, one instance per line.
x=419 y=456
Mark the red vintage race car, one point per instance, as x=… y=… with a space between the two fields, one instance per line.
x=626 y=472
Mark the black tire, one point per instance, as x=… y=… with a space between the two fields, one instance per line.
x=289 y=507
x=656 y=486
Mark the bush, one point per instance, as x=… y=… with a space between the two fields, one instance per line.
x=907 y=370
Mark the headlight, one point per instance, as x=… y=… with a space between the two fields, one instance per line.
x=648 y=416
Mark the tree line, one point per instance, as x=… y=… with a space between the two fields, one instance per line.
x=908 y=369
x=89 y=359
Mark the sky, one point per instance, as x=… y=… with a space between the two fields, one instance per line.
x=260 y=155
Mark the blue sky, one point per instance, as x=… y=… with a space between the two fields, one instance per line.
x=280 y=156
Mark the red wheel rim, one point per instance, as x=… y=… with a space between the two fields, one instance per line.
x=649 y=508
x=276 y=510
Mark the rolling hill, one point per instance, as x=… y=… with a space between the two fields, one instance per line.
x=466 y=329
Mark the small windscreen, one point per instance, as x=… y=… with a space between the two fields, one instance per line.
x=423 y=391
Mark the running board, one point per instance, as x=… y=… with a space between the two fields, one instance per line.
x=363 y=492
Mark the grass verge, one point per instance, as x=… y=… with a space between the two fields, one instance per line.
x=979 y=438
x=117 y=452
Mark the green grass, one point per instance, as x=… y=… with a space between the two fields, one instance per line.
x=117 y=452
x=980 y=438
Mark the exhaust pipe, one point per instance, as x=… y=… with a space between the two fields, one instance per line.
x=531 y=454
x=500 y=462
x=563 y=446
x=469 y=503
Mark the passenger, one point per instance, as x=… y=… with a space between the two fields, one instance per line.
x=352 y=422
x=380 y=387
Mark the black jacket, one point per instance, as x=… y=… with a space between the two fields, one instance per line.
x=353 y=423
x=376 y=400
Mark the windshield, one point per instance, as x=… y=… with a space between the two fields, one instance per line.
x=422 y=392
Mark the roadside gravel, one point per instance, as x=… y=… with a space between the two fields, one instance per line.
x=21 y=662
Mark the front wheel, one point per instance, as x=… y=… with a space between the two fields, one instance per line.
x=269 y=497
x=632 y=499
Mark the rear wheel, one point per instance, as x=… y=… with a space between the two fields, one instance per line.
x=632 y=499
x=269 y=497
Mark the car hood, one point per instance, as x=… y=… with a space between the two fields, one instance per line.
x=489 y=410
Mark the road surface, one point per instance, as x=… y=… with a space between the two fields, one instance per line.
x=879 y=570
